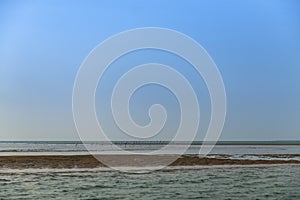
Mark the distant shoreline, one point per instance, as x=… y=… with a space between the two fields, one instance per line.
x=296 y=142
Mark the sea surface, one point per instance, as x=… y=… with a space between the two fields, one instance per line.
x=211 y=182
x=229 y=151
x=44 y=148
x=270 y=181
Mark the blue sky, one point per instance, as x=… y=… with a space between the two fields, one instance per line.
x=255 y=44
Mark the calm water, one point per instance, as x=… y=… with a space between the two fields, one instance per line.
x=202 y=182
x=44 y=148
x=268 y=182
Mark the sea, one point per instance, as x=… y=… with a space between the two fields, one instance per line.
x=265 y=181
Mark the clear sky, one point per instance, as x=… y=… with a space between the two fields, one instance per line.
x=255 y=44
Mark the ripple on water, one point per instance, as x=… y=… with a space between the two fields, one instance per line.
x=280 y=182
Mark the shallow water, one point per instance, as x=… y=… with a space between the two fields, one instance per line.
x=44 y=148
x=233 y=182
x=183 y=182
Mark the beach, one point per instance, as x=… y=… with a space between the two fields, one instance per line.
x=66 y=170
x=23 y=155
x=88 y=161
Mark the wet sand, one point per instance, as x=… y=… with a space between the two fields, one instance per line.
x=88 y=161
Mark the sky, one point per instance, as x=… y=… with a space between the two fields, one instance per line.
x=255 y=44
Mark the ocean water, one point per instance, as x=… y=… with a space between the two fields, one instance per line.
x=210 y=182
x=73 y=148
x=178 y=182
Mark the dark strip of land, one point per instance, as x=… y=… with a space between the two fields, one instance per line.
x=88 y=161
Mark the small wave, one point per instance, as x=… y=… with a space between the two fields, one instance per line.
x=131 y=169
